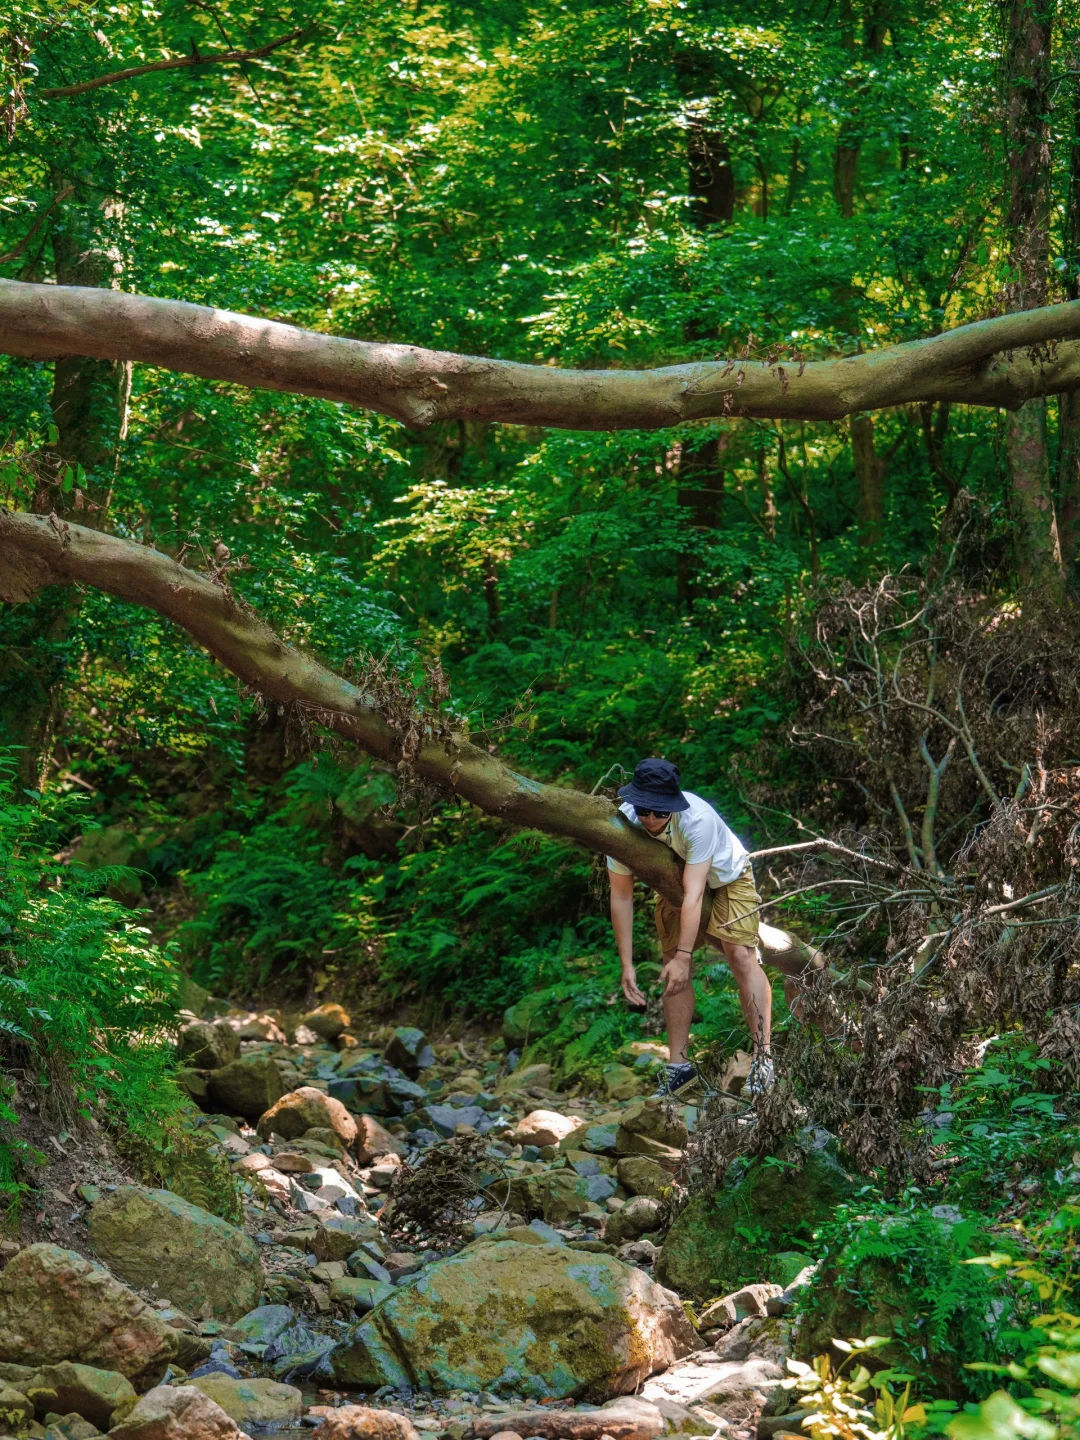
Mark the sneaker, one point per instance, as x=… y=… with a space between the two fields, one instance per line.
x=674 y=1078
x=762 y=1077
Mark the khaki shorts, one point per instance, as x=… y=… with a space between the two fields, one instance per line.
x=728 y=913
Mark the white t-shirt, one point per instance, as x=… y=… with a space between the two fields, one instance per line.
x=696 y=834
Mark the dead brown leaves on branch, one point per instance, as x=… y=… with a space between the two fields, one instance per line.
x=432 y=1201
x=942 y=731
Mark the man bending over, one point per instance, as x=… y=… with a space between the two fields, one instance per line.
x=720 y=908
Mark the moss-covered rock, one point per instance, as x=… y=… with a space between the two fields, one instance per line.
x=16 y=1411
x=207 y=1044
x=54 y=1306
x=248 y=1086
x=726 y=1239
x=643 y=1176
x=557 y=1196
x=197 y=1260
x=259 y=1404
x=904 y=1274
x=532 y=1320
x=103 y=1397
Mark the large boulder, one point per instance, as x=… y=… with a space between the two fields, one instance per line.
x=197 y=1260
x=247 y=1087
x=100 y=1396
x=176 y=1413
x=327 y=1021
x=409 y=1051
x=307 y=1109
x=707 y=1251
x=535 y=1320
x=258 y=1404
x=207 y=1044
x=55 y=1306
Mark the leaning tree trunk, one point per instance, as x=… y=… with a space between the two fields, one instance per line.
x=89 y=410
x=1029 y=25
x=38 y=551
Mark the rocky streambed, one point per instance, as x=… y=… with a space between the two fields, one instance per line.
x=550 y=1315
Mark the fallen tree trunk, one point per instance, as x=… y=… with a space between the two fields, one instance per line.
x=1003 y=362
x=38 y=550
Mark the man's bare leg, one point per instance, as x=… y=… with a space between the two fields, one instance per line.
x=755 y=993
x=678 y=1016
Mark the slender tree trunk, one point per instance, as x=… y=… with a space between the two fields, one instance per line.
x=712 y=180
x=1029 y=26
x=701 y=505
x=869 y=482
x=89 y=409
x=848 y=143
x=767 y=489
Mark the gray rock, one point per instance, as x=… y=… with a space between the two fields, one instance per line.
x=636 y=1218
x=446 y=1118
x=364 y=1267
x=247 y=1086
x=207 y=1044
x=409 y=1051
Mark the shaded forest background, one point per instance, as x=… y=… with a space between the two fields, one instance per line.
x=618 y=185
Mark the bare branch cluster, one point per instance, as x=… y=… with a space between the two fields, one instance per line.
x=945 y=725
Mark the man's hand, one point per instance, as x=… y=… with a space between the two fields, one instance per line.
x=676 y=974
x=630 y=988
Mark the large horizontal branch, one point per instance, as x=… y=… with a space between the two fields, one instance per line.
x=179 y=62
x=38 y=550
x=998 y=362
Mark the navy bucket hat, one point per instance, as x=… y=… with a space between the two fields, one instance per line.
x=655 y=786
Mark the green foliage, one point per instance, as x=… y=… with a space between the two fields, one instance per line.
x=839 y=1399
x=1043 y=1401
x=89 y=1001
x=1003 y=1125
x=901 y=1269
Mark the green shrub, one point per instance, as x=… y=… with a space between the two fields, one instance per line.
x=902 y=1271
x=1004 y=1124
x=88 y=1004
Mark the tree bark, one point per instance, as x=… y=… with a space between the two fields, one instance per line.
x=38 y=551
x=850 y=134
x=869 y=483
x=700 y=499
x=1029 y=26
x=990 y=362
x=712 y=180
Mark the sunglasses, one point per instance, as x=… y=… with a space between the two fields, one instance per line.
x=652 y=814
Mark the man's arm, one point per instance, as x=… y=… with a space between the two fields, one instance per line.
x=676 y=973
x=622 y=922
